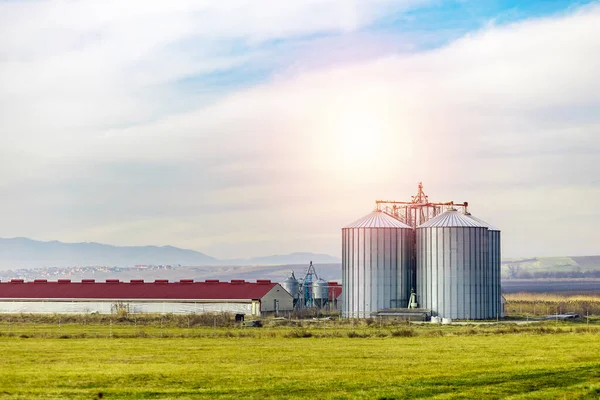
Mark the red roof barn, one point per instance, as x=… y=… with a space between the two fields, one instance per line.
x=159 y=296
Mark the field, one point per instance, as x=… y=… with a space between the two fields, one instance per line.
x=179 y=357
x=570 y=286
x=544 y=304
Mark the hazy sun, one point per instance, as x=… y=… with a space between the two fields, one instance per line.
x=360 y=138
x=360 y=142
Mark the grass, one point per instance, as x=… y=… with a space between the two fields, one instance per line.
x=460 y=367
x=552 y=297
x=28 y=326
x=324 y=360
x=534 y=304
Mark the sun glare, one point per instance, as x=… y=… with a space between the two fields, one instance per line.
x=360 y=140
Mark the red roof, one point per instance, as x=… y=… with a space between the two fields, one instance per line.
x=185 y=290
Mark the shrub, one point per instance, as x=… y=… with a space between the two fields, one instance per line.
x=298 y=333
x=122 y=314
x=354 y=334
x=213 y=319
x=436 y=332
x=404 y=333
x=285 y=322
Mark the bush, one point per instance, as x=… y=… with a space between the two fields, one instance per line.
x=436 y=332
x=298 y=333
x=404 y=333
x=122 y=314
x=285 y=322
x=353 y=334
x=215 y=319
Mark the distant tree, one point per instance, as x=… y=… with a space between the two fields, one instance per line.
x=513 y=270
x=524 y=275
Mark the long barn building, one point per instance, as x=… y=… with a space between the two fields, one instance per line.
x=136 y=296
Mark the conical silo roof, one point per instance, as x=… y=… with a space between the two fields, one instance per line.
x=490 y=227
x=377 y=219
x=452 y=218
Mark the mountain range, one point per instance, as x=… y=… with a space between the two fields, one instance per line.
x=18 y=253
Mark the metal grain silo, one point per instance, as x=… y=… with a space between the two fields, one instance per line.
x=377 y=260
x=320 y=292
x=452 y=262
x=292 y=286
x=494 y=266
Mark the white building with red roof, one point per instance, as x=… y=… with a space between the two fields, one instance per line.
x=136 y=296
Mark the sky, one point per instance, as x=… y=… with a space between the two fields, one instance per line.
x=247 y=128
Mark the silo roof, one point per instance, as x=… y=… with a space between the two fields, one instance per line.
x=490 y=227
x=452 y=218
x=378 y=219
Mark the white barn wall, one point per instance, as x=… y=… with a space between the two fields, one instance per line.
x=285 y=299
x=108 y=307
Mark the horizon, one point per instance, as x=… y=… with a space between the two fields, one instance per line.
x=257 y=129
x=522 y=257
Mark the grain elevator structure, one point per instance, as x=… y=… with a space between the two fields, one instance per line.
x=421 y=254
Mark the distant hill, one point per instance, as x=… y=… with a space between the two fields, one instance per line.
x=28 y=253
x=551 y=268
x=293 y=258
x=20 y=253
x=65 y=259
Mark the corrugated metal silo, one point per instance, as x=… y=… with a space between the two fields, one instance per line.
x=452 y=262
x=377 y=260
x=320 y=292
x=292 y=286
x=494 y=267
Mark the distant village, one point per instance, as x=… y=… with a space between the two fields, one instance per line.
x=65 y=272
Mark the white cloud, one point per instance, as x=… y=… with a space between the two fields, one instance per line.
x=69 y=69
x=504 y=118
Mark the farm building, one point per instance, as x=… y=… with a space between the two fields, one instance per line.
x=137 y=296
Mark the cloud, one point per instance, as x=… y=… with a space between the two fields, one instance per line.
x=503 y=118
x=72 y=68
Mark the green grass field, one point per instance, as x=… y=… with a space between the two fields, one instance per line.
x=548 y=361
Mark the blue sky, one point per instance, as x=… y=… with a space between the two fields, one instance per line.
x=439 y=22
x=245 y=128
x=425 y=26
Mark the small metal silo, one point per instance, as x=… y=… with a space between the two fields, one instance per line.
x=377 y=261
x=452 y=262
x=292 y=286
x=320 y=292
